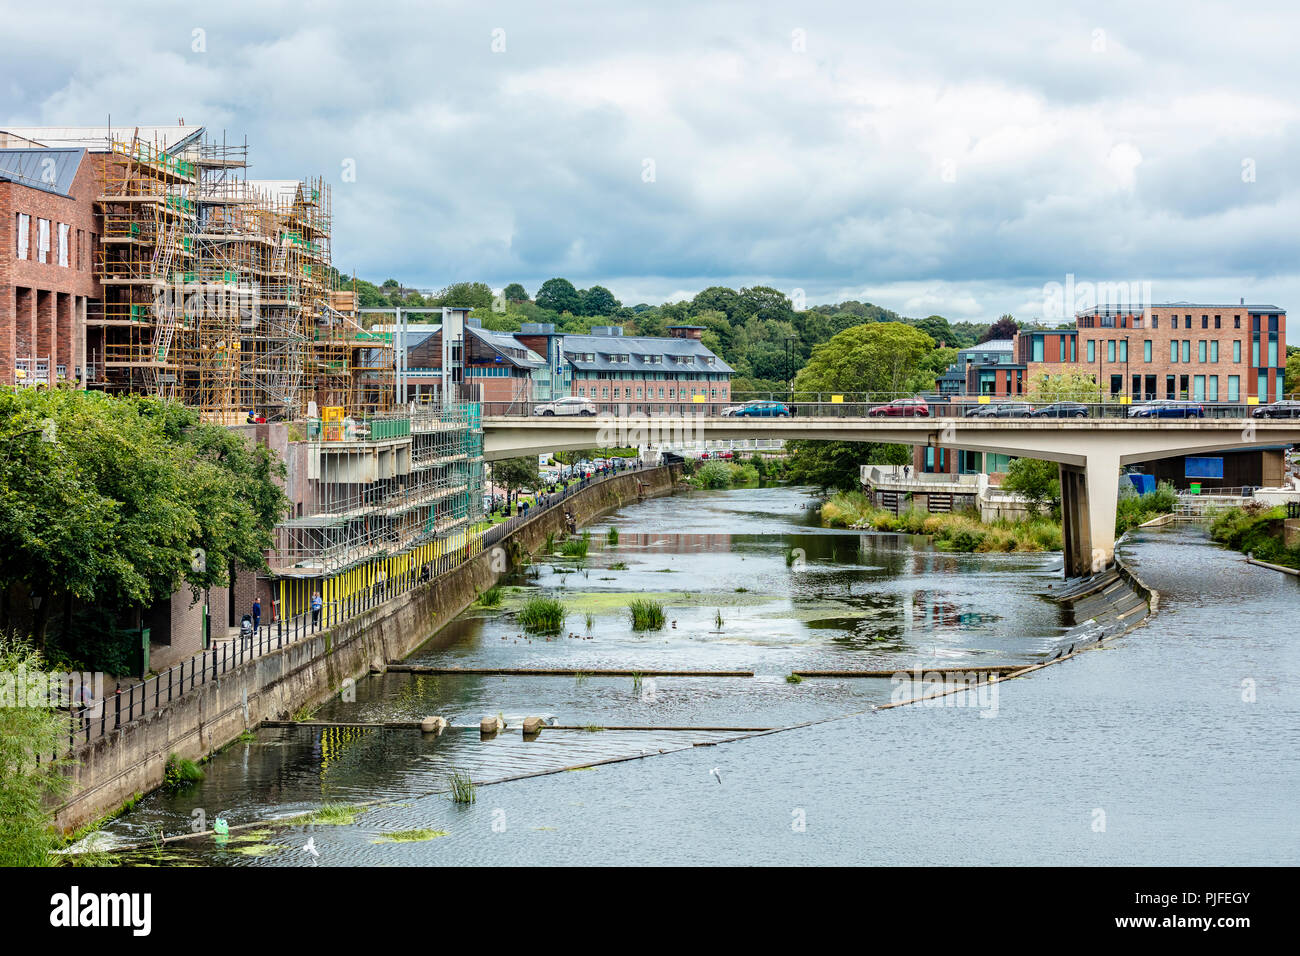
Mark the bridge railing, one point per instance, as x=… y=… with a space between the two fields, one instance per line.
x=862 y=406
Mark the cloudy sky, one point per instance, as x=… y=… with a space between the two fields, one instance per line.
x=931 y=158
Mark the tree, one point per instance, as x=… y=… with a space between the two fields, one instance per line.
x=880 y=358
x=717 y=298
x=598 y=301
x=1038 y=482
x=104 y=500
x=1292 y=384
x=1004 y=328
x=516 y=473
x=466 y=295
x=559 y=295
x=515 y=292
x=26 y=731
x=837 y=464
x=1045 y=389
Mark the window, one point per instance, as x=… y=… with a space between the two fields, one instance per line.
x=1234 y=388
x=1205 y=321
x=1110 y=350
x=1198 y=388
x=1254 y=351
x=24 y=233
x=1262 y=378
x=64 y=234
x=1201 y=354
x=1236 y=321
x=1218 y=321
x=1236 y=350
x=1038 y=349
x=1155 y=321
x=1123 y=350
x=1187 y=350
x=42 y=240
x=81 y=250
x=1214 y=351
x=1187 y=321
x=1146 y=351
x=1173 y=350
x=1213 y=394
x=1272 y=350
x=1092 y=350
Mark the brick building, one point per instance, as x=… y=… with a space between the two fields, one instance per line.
x=48 y=241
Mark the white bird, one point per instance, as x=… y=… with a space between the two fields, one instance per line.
x=310 y=847
x=717 y=773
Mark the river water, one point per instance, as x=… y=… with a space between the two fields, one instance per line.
x=1174 y=744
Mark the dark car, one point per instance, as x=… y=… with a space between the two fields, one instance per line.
x=1168 y=408
x=1286 y=408
x=903 y=408
x=763 y=410
x=1001 y=410
x=1061 y=410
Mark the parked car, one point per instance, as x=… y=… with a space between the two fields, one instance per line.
x=731 y=410
x=1167 y=408
x=903 y=408
x=726 y=454
x=1286 y=408
x=1061 y=410
x=763 y=410
x=1001 y=410
x=572 y=405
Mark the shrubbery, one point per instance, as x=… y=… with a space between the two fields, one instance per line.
x=1257 y=531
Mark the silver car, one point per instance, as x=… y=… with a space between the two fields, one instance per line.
x=572 y=405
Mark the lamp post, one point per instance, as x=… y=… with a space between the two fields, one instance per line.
x=789 y=368
x=1128 y=379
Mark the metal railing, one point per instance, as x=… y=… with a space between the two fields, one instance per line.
x=92 y=719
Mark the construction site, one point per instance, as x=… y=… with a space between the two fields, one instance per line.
x=204 y=286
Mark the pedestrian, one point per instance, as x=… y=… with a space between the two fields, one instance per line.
x=245 y=631
x=907 y=472
x=257 y=615
x=315 y=608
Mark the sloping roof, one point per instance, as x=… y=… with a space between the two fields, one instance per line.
x=51 y=170
x=508 y=346
x=99 y=138
x=637 y=348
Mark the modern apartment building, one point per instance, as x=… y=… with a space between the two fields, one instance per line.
x=648 y=374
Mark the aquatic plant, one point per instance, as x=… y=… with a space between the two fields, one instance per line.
x=491 y=597
x=647 y=615
x=618 y=566
x=543 y=615
x=717 y=618
x=575 y=547
x=793 y=678
x=410 y=836
x=612 y=536
x=179 y=773
x=590 y=620
x=462 y=787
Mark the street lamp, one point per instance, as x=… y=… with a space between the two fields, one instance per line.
x=1128 y=380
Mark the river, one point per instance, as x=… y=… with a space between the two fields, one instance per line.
x=1174 y=744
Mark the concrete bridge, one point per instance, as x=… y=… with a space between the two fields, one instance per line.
x=1088 y=451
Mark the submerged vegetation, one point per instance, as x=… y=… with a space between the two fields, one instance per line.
x=543 y=615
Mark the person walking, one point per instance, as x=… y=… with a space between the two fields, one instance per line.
x=315 y=608
x=257 y=615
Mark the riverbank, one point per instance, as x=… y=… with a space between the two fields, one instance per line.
x=115 y=768
x=1258 y=532
x=965 y=532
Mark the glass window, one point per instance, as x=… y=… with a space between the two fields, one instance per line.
x=1201 y=354
x=1173 y=350
x=1214 y=351
x=1187 y=350
x=1272 y=350
x=1254 y=351
x=1213 y=394
x=1123 y=350
x=1110 y=350
x=1038 y=349
x=1092 y=350
x=1146 y=351
x=1236 y=350
x=1198 y=388
x=1234 y=388
x=1263 y=385
x=1155 y=321
x=1205 y=321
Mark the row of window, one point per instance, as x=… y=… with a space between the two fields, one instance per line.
x=1207 y=350
x=650 y=392
x=649 y=376
x=1200 y=388
x=1108 y=322
x=52 y=242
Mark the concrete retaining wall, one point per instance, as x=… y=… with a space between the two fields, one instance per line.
x=109 y=771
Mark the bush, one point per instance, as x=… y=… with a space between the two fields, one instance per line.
x=713 y=476
x=491 y=597
x=179 y=773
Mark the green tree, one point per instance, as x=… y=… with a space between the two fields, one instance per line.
x=466 y=295
x=1045 y=389
x=559 y=295
x=1292 y=385
x=515 y=292
x=598 y=301
x=1004 y=328
x=837 y=464
x=516 y=473
x=1038 y=482
x=26 y=732
x=880 y=358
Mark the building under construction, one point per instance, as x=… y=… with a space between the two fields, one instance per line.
x=216 y=290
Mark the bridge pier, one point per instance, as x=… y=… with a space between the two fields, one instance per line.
x=1089 y=498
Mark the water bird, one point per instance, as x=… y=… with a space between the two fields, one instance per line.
x=1071 y=650
x=717 y=773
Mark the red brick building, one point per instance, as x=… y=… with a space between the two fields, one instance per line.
x=48 y=242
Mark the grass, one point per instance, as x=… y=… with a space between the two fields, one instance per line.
x=959 y=531
x=742 y=590
x=576 y=547
x=646 y=615
x=636 y=683
x=491 y=597
x=612 y=536
x=543 y=615
x=593 y=728
x=717 y=618
x=590 y=621
x=618 y=566
x=462 y=787
x=581 y=676
x=410 y=836
x=247 y=737
x=179 y=773
x=302 y=713
x=793 y=678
